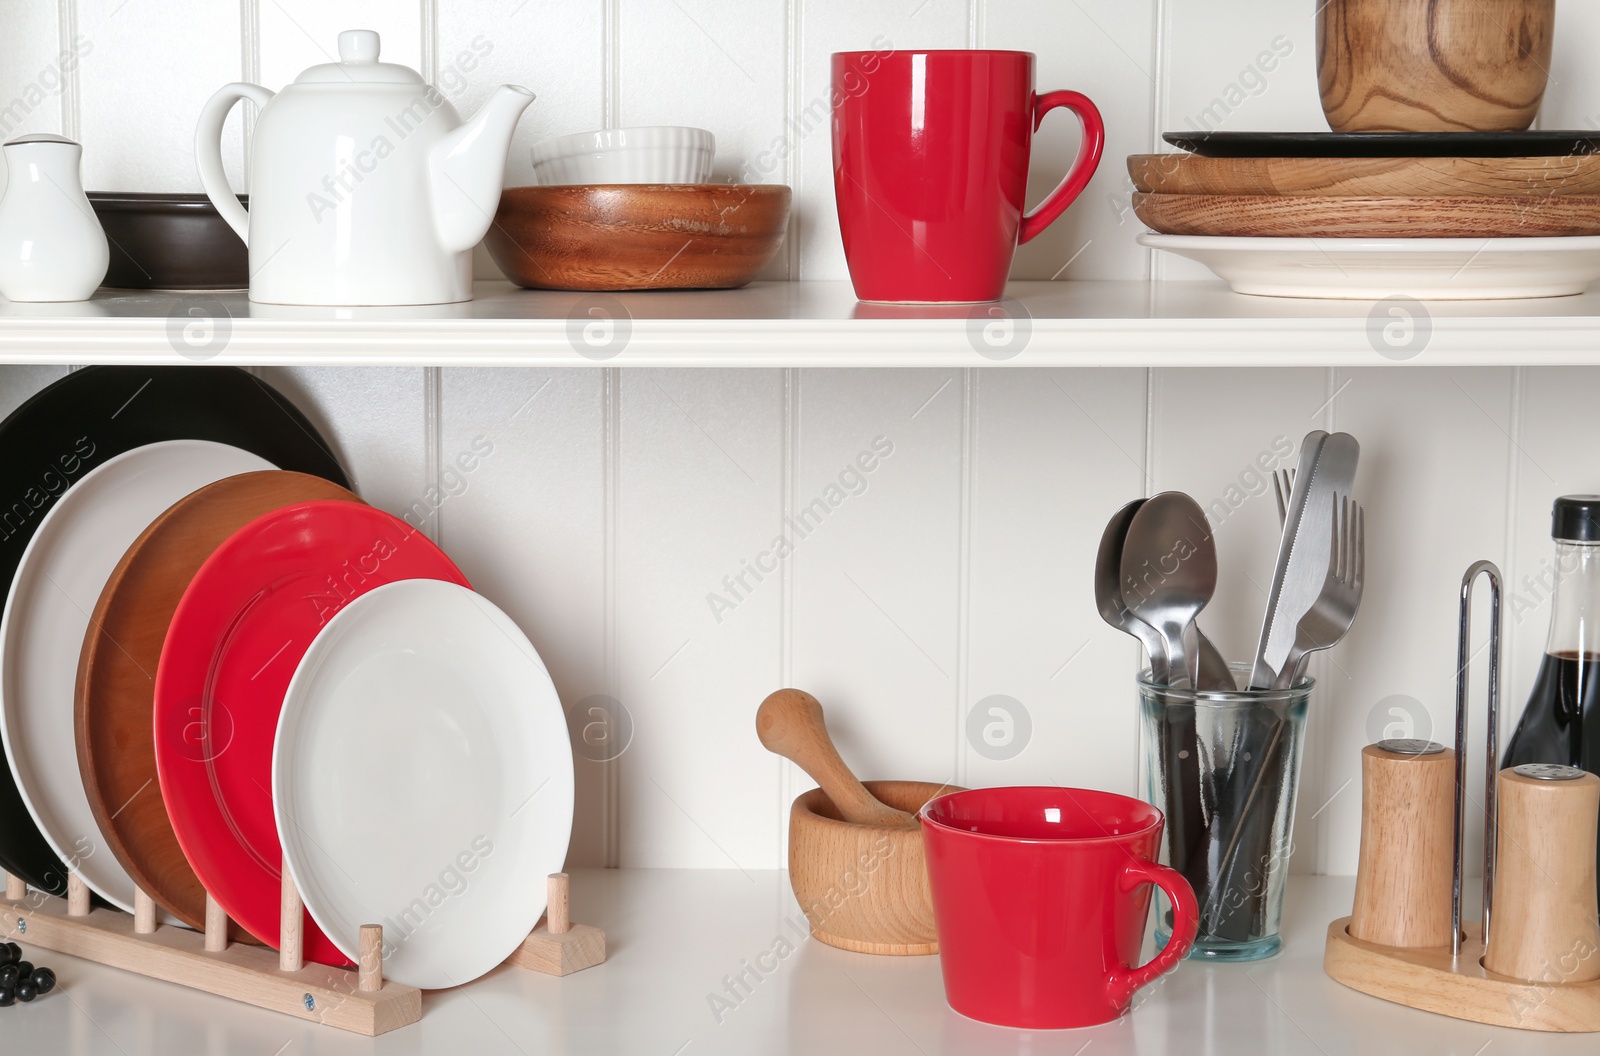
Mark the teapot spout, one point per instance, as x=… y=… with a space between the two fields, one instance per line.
x=467 y=168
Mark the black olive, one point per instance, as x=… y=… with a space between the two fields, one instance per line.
x=8 y=996
x=24 y=969
x=10 y=953
x=44 y=980
x=9 y=975
x=26 y=992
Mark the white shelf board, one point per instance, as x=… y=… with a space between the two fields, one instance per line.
x=676 y=937
x=801 y=324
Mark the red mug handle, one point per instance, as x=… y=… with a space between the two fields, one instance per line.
x=1094 y=141
x=1124 y=982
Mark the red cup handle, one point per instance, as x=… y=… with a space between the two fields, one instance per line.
x=1094 y=141
x=1185 y=923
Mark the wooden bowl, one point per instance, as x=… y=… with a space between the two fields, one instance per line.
x=1433 y=65
x=864 y=887
x=638 y=236
x=1311 y=216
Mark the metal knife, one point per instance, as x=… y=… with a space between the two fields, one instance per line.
x=1327 y=466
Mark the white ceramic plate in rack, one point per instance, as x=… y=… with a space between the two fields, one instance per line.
x=422 y=780
x=1446 y=269
x=58 y=582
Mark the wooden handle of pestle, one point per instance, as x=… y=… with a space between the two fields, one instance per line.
x=1544 y=928
x=789 y=723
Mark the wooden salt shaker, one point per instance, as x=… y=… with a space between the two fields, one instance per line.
x=1403 y=881
x=1546 y=928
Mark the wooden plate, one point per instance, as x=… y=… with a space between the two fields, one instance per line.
x=638 y=236
x=115 y=697
x=1316 y=216
x=1552 y=143
x=1366 y=177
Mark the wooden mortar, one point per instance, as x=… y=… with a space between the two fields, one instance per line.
x=864 y=887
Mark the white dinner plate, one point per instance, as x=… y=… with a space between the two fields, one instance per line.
x=422 y=780
x=1443 y=269
x=58 y=583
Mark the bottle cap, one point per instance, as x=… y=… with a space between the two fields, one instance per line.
x=1576 y=518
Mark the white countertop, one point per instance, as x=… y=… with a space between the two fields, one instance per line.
x=798 y=324
x=674 y=935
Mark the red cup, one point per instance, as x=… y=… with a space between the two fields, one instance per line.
x=930 y=165
x=1040 y=896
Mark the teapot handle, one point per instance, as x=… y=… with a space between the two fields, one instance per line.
x=208 y=152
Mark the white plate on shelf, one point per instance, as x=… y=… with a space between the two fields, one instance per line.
x=1373 y=268
x=57 y=585
x=422 y=780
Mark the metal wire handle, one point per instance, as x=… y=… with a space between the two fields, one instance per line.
x=1490 y=811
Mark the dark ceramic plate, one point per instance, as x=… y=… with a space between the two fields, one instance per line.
x=170 y=242
x=1386 y=144
x=74 y=425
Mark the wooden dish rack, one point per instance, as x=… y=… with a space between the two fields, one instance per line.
x=359 y=1000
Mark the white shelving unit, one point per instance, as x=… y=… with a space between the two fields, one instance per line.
x=811 y=324
x=681 y=935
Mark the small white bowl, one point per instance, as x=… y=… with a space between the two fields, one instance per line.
x=654 y=154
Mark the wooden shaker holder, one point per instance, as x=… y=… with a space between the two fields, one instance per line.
x=361 y=1001
x=1379 y=951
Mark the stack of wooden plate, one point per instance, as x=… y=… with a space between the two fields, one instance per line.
x=1428 y=197
x=1187 y=194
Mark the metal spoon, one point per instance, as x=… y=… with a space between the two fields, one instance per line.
x=1169 y=572
x=1108 y=591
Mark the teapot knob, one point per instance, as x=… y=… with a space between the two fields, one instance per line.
x=358 y=45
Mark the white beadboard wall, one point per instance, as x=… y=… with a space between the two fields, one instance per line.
x=615 y=501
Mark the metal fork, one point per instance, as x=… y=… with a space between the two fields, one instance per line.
x=1282 y=488
x=1326 y=622
x=1321 y=627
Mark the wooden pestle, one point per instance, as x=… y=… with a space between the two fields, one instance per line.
x=790 y=724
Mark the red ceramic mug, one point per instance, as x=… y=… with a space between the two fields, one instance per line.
x=930 y=165
x=1040 y=897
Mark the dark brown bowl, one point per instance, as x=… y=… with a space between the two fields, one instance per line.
x=638 y=236
x=170 y=242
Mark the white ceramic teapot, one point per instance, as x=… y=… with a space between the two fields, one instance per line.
x=365 y=186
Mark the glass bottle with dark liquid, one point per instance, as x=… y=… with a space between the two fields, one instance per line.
x=1565 y=703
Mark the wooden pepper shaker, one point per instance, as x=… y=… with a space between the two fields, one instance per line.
x=1545 y=927
x=1403 y=881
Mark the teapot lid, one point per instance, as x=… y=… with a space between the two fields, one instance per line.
x=358 y=64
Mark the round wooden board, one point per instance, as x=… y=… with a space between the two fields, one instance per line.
x=117 y=668
x=1366 y=177
x=1268 y=216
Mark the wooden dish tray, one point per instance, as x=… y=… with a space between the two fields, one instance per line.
x=1462 y=988
x=361 y=1001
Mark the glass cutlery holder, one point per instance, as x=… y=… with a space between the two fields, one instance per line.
x=1224 y=766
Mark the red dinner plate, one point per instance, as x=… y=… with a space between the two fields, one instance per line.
x=235 y=639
